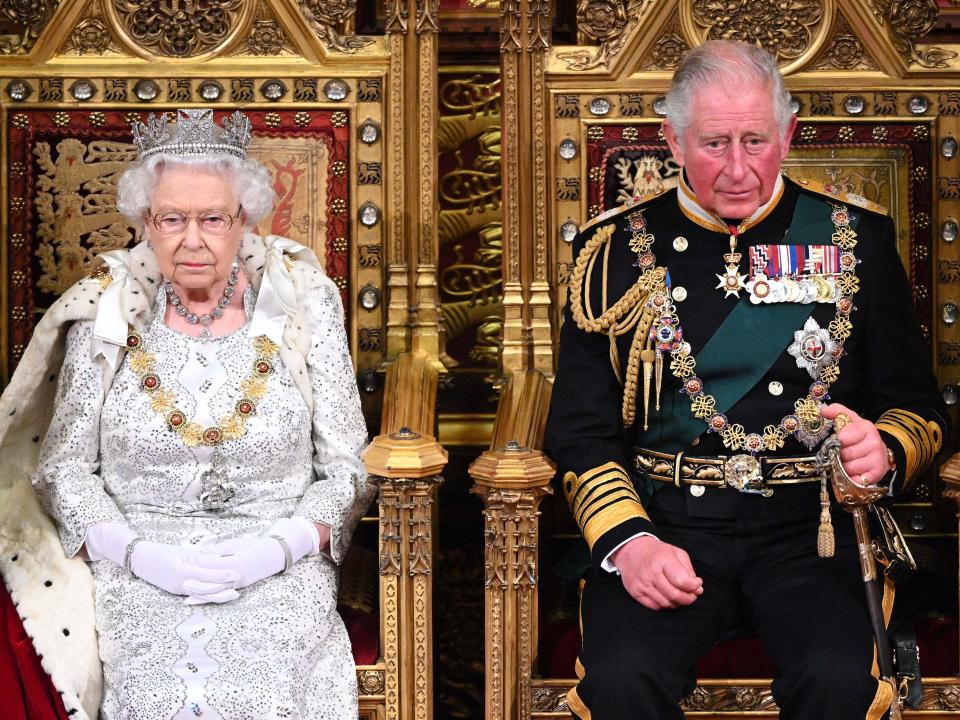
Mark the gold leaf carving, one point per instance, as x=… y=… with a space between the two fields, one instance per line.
x=610 y=23
x=669 y=48
x=782 y=27
x=179 y=28
x=326 y=16
x=28 y=19
x=844 y=50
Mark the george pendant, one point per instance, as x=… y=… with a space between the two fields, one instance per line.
x=216 y=488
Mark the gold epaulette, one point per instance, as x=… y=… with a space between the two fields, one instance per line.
x=921 y=439
x=831 y=191
x=614 y=211
x=600 y=499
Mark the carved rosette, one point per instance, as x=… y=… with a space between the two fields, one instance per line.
x=669 y=49
x=90 y=37
x=607 y=21
x=909 y=21
x=791 y=30
x=601 y=20
x=28 y=18
x=179 y=28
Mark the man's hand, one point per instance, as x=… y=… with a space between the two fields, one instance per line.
x=864 y=454
x=657 y=575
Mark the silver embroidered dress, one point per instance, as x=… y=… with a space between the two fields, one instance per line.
x=281 y=649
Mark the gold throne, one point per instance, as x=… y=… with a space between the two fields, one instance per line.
x=878 y=116
x=346 y=126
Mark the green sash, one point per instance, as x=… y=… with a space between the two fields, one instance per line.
x=746 y=344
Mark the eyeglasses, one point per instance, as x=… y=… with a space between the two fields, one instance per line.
x=212 y=222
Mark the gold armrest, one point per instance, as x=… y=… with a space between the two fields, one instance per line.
x=406 y=447
x=515 y=459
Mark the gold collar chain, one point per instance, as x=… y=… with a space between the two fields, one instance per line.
x=163 y=400
x=666 y=336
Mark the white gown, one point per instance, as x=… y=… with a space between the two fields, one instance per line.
x=280 y=650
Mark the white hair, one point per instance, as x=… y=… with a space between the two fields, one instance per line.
x=251 y=182
x=725 y=62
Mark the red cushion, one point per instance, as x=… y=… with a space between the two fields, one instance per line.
x=26 y=689
x=364 y=631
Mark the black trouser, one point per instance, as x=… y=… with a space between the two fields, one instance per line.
x=758 y=559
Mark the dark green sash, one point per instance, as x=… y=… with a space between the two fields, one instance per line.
x=746 y=344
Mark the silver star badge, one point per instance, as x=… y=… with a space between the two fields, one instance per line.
x=812 y=348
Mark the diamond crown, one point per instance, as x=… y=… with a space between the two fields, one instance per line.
x=193 y=133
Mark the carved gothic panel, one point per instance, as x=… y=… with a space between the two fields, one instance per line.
x=179 y=28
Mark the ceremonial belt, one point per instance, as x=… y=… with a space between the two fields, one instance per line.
x=742 y=472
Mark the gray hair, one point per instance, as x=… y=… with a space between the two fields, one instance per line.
x=251 y=182
x=723 y=61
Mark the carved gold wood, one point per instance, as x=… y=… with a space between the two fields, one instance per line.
x=719 y=699
x=276 y=58
x=405 y=461
x=511 y=478
x=524 y=42
x=413 y=315
x=836 y=53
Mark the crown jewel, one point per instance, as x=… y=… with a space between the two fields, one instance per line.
x=193 y=133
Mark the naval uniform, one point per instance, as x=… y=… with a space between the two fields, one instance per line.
x=756 y=551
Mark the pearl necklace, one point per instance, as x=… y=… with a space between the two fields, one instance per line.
x=205 y=319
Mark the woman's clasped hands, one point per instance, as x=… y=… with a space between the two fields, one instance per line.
x=208 y=572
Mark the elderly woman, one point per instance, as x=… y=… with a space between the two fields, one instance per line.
x=203 y=452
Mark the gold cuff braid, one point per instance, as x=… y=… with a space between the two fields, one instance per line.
x=921 y=439
x=601 y=499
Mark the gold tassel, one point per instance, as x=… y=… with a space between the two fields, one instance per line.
x=825 y=540
x=647 y=356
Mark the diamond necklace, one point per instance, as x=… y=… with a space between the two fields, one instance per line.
x=206 y=319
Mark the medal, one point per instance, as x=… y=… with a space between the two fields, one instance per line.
x=759 y=289
x=731 y=281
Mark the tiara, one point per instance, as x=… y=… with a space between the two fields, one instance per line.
x=193 y=133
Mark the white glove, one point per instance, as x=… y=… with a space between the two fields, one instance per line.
x=256 y=558
x=173 y=568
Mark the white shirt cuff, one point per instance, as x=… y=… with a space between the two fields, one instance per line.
x=607 y=563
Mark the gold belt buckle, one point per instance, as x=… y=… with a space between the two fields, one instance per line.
x=743 y=473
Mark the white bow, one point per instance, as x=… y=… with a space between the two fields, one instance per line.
x=110 y=327
x=277 y=299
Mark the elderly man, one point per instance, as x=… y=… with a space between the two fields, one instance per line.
x=708 y=329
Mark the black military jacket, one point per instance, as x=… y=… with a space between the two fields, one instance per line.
x=885 y=365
